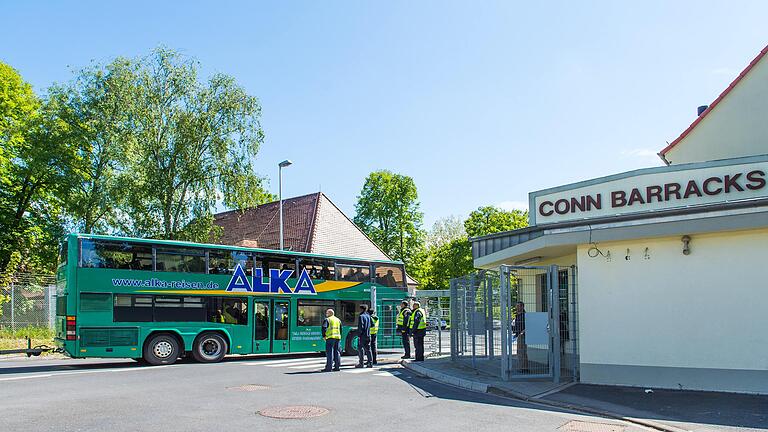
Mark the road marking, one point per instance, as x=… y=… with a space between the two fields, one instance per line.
x=311 y=362
x=307 y=366
x=134 y=368
x=271 y=362
x=388 y=373
x=360 y=370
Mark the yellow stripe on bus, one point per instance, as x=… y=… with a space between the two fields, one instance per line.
x=320 y=287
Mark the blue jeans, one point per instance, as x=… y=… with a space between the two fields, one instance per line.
x=332 y=354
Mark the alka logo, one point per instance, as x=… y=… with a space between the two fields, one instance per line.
x=276 y=283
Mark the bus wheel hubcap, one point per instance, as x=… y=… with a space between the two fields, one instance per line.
x=163 y=349
x=211 y=347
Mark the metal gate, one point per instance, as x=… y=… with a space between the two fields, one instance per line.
x=519 y=322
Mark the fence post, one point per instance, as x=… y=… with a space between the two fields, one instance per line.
x=51 y=306
x=13 y=308
x=503 y=300
x=554 y=285
x=473 y=311
x=454 y=321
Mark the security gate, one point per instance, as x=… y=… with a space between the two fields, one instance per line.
x=518 y=322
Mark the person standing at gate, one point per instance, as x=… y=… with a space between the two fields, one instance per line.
x=418 y=328
x=402 y=321
x=518 y=330
x=364 y=338
x=332 y=335
x=374 y=332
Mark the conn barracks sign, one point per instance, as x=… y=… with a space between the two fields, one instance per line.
x=653 y=189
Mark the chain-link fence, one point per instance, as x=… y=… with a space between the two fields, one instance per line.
x=519 y=322
x=28 y=300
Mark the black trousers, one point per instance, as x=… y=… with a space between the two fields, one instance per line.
x=418 y=343
x=364 y=346
x=406 y=343
x=374 y=348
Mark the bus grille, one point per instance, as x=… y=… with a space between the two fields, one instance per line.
x=108 y=337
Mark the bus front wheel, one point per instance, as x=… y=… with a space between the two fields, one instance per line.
x=162 y=349
x=209 y=347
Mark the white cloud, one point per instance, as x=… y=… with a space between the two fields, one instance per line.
x=639 y=152
x=513 y=205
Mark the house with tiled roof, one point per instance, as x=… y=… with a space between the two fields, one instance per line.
x=311 y=223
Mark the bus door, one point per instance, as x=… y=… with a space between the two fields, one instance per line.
x=262 y=326
x=281 y=319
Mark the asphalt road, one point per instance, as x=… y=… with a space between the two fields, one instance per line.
x=106 y=395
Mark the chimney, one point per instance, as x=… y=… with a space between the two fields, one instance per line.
x=701 y=109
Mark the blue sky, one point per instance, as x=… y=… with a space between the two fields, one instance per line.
x=480 y=102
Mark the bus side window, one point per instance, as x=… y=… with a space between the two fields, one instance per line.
x=224 y=262
x=318 y=268
x=116 y=255
x=390 y=275
x=353 y=272
x=185 y=260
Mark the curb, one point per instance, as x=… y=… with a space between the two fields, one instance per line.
x=488 y=388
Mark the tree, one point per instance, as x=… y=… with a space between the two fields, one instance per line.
x=93 y=107
x=489 y=220
x=387 y=210
x=445 y=230
x=36 y=180
x=18 y=103
x=189 y=144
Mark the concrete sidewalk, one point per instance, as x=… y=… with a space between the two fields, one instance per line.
x=666 y=410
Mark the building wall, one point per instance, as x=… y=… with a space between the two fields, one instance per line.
x=735 y=127
x=676 y=321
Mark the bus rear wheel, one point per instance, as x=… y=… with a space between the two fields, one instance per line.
x=162 y=349
x=209 y=347
x=350 y=344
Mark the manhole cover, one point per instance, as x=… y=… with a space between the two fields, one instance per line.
x=249 y=387
x=582 y=426
x=293 y=412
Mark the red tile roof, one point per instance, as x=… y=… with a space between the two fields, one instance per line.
x=311 y=223
x=714 y=104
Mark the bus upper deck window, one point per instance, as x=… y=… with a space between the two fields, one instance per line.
x=224 y=262
x=390 y=275
x=185 y=260
x=353 y=272
x=115 y=255
x=318 y=268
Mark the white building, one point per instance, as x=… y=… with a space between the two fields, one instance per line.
x=670 y=280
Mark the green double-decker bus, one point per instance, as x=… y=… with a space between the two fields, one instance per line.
x=159 y=300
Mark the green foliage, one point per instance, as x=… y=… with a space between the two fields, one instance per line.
x=190 y=144
x=489 y=220
x=36 y=178
x=137 y=146
x=449 y=254
x=93 y=106
x=387 y=210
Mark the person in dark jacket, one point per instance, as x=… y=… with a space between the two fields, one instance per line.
x=418 y=328
x=364 y=338
x=518 y=329
x=403 y=317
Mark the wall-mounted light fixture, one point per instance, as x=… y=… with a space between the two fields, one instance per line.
x=686 y=244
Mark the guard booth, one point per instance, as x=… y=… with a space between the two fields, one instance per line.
x=487 y=327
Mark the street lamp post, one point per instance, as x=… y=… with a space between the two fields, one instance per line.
x=281 y=165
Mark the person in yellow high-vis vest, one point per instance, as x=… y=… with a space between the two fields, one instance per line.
x=402 y=326
x=332 y=334
x=374 y=332
x=417 y=325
